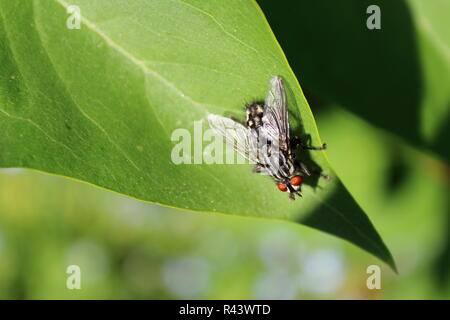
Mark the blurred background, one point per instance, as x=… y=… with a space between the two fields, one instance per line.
x=381 y=102
x=129 y=249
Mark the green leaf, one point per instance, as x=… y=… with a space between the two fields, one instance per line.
x=99 y=105
x=397 y=78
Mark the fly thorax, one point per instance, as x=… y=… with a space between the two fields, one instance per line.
x=254 y=113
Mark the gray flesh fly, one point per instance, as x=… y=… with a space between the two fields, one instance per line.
x=264 y=139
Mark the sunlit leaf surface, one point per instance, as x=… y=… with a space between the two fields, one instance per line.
x=100 y=103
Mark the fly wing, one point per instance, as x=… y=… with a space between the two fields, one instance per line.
x=275 y=119
x=243 y=140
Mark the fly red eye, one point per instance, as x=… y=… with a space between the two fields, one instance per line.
x=282 y=187
x=296 y=181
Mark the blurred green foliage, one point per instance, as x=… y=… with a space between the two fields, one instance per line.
x=129 y=249
x=397 y=77
x=358 y=83
x=110 y=111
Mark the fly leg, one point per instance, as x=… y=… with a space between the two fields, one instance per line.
x=325 y=176
x=293 y=192
x=303 y=167
x=296 y=141
x=305 y=170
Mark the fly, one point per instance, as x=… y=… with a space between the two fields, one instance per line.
x=264 y=139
